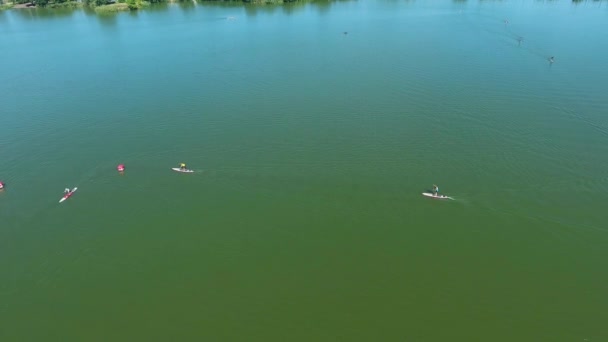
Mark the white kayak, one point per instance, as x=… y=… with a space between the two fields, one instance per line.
x=428 y=194
x=180 y=170
x=68 y=195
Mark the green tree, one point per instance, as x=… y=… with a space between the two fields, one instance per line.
x=133 y=4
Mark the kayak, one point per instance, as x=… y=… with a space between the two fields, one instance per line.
x=68 y=195
x=180 y=170
x=428 y=194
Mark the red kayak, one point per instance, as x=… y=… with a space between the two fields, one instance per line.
x=68 y=195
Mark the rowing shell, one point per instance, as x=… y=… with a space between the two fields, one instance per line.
x=427 y=194
x=180 y=170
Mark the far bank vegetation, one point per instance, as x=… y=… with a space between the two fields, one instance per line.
x=112 y=6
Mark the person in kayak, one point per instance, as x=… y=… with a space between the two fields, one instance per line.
x=435 y=190
x=67 y=191
x=182 y=166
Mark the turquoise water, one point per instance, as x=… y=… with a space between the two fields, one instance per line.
x=304 y=220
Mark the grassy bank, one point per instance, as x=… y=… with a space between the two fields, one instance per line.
x=129 y=5
x=69 y=4
x=6 y=6
x=113 y=8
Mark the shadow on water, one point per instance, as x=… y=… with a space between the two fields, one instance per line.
x=133 y=14
x=90 y=13
x=43 y=13
x=322 y=7
x=187 y=6
x=107 y=20
x=220 y=7
x=254 y=10
x=292 y=7
x=157 y=7
x=224 y=5
x=597 y=3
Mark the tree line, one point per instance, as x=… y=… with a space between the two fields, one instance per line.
x=94 y=3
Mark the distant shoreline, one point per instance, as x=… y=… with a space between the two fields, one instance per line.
x=112 y=6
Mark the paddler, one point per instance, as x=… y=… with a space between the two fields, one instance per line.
x=67 y=191
x=182 y=166
x=435 y=190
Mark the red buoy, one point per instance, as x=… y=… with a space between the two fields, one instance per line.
x=120 y=168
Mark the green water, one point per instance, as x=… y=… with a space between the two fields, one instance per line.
x=304 y=221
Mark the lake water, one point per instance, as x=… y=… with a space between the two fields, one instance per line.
x=305 y=220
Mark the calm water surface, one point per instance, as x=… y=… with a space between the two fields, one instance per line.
x=304 y=220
